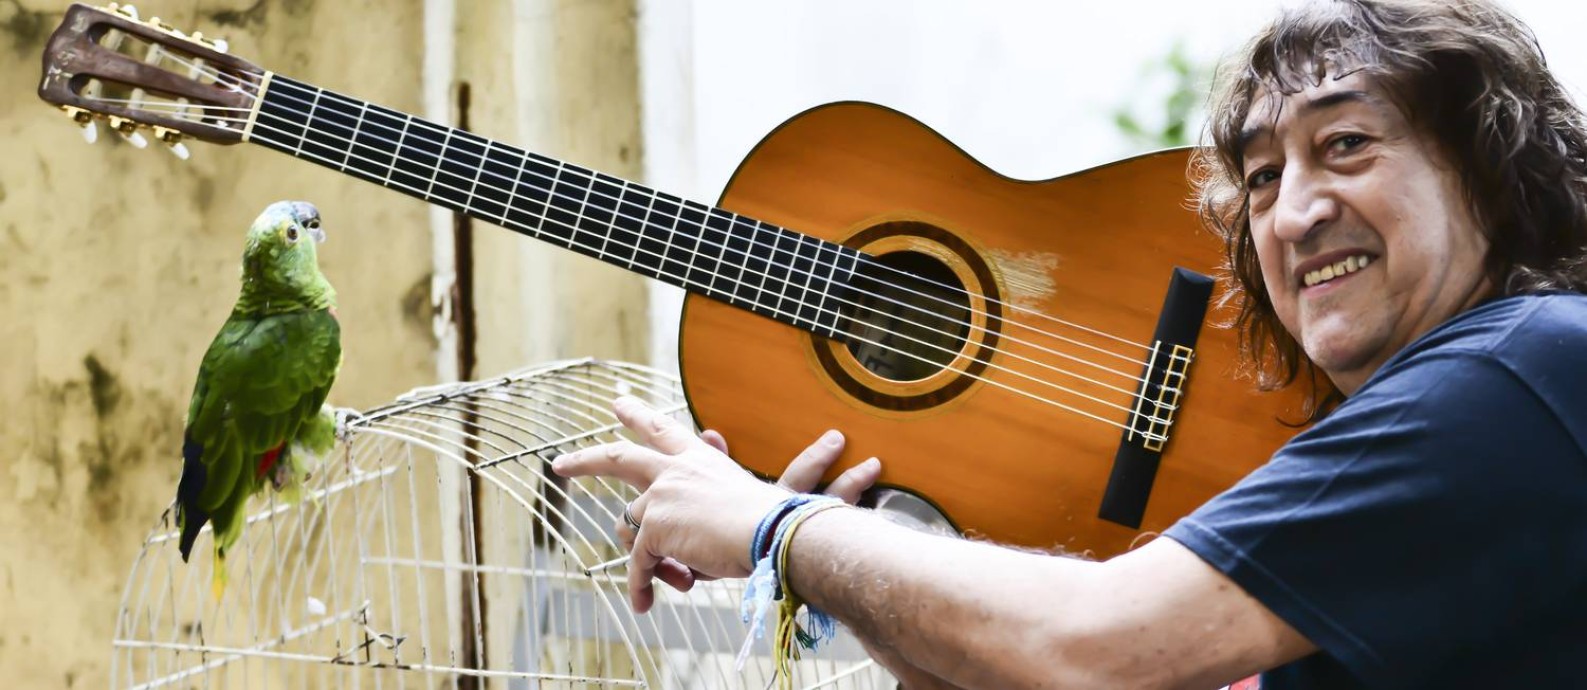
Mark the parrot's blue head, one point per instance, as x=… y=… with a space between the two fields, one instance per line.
x=280 y=256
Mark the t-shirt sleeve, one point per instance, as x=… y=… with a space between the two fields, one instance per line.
x=1439 y=510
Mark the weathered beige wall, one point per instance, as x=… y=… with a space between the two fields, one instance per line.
x=117 y=266
x=560 y=78
x=566 y=86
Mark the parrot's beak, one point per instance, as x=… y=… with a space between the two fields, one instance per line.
x=318 y=234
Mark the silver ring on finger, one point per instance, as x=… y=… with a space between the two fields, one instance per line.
x=628 y=517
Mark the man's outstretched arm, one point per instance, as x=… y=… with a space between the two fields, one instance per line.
x=976 y=614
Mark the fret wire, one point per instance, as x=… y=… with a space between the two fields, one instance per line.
x=584 y=203
x=672 y=236
x=644 y=222
x=397 y=152
x=757 y=228
x=826 y=290
x=359 y=126
x=307 y=120
x=694 y=251
x=473 y=189
x=440 y=155
x=782 y=293
x=512 y=192
x=617 y=210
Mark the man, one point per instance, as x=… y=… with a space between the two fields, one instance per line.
x=1402 y=186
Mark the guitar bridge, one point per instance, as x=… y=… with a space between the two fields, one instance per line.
x=1157 y=399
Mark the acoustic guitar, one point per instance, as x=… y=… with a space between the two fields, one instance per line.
x=1032 y=358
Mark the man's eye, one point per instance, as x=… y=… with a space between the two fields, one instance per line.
x=1260 y=178
x=1346 y=142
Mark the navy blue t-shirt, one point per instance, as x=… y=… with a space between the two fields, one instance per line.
x=1431 y=532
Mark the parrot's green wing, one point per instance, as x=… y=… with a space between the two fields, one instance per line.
x=258 y=383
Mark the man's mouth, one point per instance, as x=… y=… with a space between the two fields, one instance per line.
x=1335 y=270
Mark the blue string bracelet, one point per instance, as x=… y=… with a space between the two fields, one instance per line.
x=765 y=585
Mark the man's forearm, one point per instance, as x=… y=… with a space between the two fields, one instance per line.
x=974 y=614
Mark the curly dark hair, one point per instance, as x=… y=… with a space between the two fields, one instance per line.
x=1465 y=72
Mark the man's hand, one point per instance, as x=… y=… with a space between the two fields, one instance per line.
x=695 y=506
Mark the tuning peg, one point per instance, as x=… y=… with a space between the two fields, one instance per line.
x=127 y=11
x=129 y=131
x=172 y=139
x=219 y=45
x=85 y=120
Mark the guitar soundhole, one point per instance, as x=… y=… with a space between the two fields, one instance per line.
x=908 y=318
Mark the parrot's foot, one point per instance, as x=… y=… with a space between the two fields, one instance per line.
x=346 y=417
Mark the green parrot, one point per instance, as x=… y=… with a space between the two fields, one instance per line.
x=258 y=411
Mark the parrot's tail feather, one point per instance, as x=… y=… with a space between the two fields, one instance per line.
x=194 y=474
x=191 y=522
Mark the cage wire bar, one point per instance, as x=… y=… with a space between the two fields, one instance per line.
x=435 y=549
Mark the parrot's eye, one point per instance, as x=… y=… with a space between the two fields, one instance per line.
x=292 y=233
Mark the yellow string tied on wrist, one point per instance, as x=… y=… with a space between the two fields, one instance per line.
x=791 y=636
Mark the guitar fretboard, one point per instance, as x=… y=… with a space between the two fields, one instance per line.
x=771 y=271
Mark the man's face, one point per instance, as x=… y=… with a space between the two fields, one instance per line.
x=1363 y=234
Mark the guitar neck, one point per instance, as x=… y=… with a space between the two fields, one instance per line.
x=762 y=268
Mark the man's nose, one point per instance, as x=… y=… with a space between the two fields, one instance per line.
x=1306 y=203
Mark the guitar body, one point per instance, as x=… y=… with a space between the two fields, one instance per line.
x=1094 y=249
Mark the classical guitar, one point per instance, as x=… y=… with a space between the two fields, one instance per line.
x=1032 y=358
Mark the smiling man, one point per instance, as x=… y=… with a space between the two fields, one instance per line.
x=1402 y=187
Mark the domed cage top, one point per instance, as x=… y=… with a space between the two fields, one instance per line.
x=434 y=548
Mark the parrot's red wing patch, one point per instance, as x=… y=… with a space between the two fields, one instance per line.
x=268 y=460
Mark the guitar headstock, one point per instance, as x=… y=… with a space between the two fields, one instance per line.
x=105 y=64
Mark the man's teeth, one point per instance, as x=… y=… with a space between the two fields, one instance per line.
x=1327 y=273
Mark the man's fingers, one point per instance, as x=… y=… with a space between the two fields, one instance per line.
x=675 y=574
x=641 y=570
x=855 y=480
x=716 y=440
x=655 y=429
x=805 y=471
x=632 y=463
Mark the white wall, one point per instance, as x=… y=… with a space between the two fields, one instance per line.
x=1026 y=86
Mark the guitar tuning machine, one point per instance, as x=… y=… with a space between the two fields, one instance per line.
x=85 y=120
x=172 y=139
x=157 y=25
x=219 y=45
x=127 y=11
x=129 y=131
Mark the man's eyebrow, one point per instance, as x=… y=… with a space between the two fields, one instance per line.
x=1311 y=106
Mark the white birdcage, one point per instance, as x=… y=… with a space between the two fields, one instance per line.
x=434 y=549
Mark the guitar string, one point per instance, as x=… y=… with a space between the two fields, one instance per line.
x=1138 y=414
x=1165 y=407
x=837 y=314
x=244 y=86
x=882 y=297
x=712 y=212
x=945 y=349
